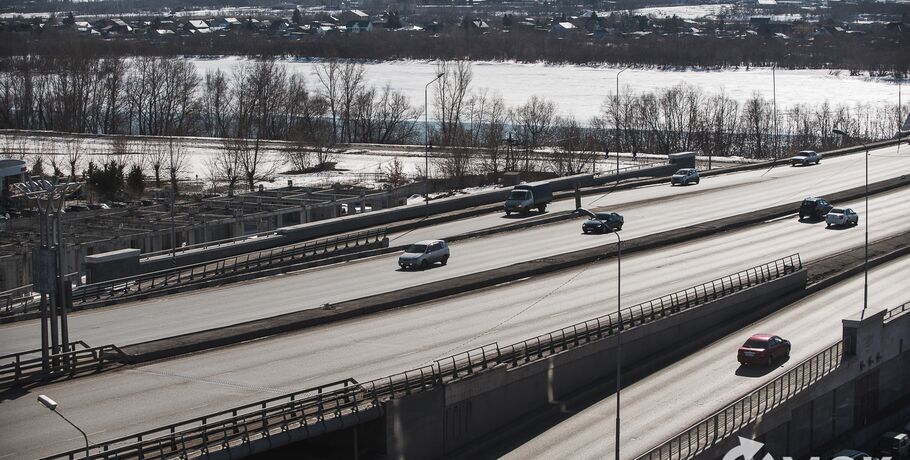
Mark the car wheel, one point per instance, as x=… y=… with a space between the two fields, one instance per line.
x=508 y=213
x=787 y=352
x=697 y=181
x=424 y=264
x=585 y=231
x=444 y=260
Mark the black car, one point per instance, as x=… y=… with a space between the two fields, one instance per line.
x=814 y=208
x=76 y=208
x=603 y=222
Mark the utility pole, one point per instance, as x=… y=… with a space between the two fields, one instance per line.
x=49 y=264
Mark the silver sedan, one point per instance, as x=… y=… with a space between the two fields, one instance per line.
x=841 y=217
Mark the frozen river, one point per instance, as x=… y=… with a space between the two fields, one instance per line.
x=581 y=90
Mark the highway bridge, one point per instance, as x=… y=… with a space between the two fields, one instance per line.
x=131 y=399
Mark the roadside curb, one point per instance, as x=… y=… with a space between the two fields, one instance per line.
x=295 y=321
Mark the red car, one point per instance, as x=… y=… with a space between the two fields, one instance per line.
x=763 y=349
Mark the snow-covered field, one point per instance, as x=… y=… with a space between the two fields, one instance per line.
x=364 y=166
x=581 y=90
x=685 y=11
x=578 y=90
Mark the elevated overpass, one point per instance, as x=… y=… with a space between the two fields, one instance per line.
x=168 y=391
x=647 y=210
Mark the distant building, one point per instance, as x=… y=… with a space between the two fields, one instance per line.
x=359 y=26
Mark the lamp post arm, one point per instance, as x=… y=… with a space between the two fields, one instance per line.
x=84 y=436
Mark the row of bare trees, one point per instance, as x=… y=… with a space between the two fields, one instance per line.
x=480 y=135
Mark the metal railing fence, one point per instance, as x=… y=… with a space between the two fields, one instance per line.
x=226 y=428
x=24 y=298
x=729 y=420
x=16 y=370
x=595 y=329
x=188 y=274
x=897 y=311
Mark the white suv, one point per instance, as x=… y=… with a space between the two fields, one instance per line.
x=424 y=253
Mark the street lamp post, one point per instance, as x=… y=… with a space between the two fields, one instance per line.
x=618 y=336
x=52 y=405
x=866 y=227
x=426 y=144
x=619 y=319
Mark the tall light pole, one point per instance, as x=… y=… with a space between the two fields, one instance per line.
x=616 y=102
x=866 y=226
x=583 y=211
x=426 y=138
x=52 y=405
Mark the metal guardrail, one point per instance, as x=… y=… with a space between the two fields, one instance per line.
x=188 y=274
x=896 y=311
x=24 y=298
x=254 y=421
x=729 y=420
x=597 y=328
x=206 y=245
x=15 y=370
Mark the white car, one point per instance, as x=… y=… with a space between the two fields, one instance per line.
x=685 y=176
x=424 y=253
x=841 y=217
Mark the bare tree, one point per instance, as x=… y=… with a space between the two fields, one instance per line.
x=215 y=103
x=224 y=164
x=176 y=160
x=575 y=148
x=353 y=81
x=396 y=119
x=394 y=173
x=259 y=92
x=534 y=121
x=450 y=92
x=72 y=149
x=329 y=75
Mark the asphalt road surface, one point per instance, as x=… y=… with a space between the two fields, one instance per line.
x=647 y=210
x=662 y=405
x=126 y=401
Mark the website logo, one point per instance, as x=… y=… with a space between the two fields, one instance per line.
x=747 y=449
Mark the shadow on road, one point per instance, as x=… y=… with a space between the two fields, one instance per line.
x=760 y=370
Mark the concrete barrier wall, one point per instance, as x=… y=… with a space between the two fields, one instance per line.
x=437 y=422
x=867 y=395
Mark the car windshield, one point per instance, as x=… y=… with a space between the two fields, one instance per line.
x=681 y=172
x=417 y=248
x=752 y=343
x=836 y=211
x=518 y=195
x=602 y=215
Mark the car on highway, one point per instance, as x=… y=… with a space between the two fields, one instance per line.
x=422 y=254
x=893 y=444
x=763 y=349
x=603 y=222
x=841 y=217
x=684 y=176
x=814 y=208
x=853 y=454
x=805 y=158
